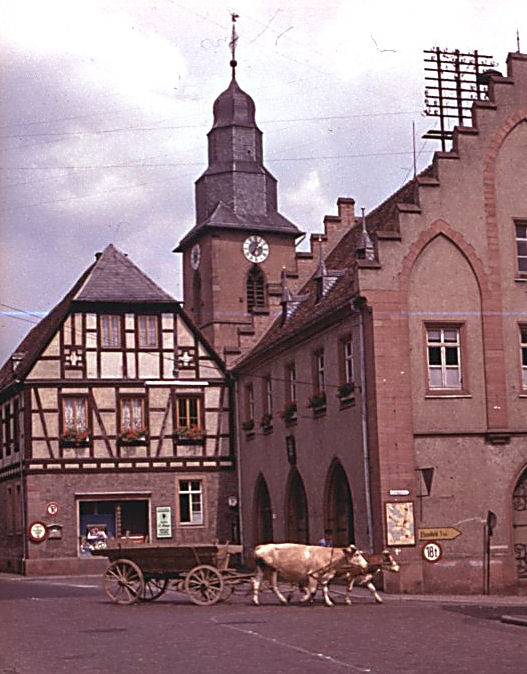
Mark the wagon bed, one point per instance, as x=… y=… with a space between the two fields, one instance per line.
x=145 y=572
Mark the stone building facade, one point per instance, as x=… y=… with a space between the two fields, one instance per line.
x=387 y=402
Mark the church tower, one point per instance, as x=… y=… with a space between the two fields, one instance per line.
x=234 y=255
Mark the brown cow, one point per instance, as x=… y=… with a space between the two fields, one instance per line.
x=382 y=561
x=307 y=565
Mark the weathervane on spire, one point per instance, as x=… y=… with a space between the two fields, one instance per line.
x=232 y=44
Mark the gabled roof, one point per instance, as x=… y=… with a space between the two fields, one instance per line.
x=112 y=278
x=115 y=278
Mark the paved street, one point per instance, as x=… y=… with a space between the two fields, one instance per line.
x=55 y=626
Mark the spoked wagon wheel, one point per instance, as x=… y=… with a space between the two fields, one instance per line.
x=154 y=588
x=204 y=585
x=123 y=582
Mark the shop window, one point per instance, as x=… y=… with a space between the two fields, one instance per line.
x=444 y=358
x=190 y=502
x=110 y=329
x=148 y=331
x=101 y=521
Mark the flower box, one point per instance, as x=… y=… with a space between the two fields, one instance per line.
x=317 y=400
x=346 y=390
x=266 y=422
x=74 y=438
x=189 y=435
x=133 y=436
x=289 y=412
x=248 y=425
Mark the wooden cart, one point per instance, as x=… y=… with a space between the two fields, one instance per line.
x=145 y=572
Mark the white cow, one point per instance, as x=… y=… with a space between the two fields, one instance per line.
x=306 y=565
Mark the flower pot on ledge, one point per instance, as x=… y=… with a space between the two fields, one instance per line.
x=266 y=423
x=317 y=402
x=74 y=438
x=132 y=437
x=289 y=413
x=189 y=435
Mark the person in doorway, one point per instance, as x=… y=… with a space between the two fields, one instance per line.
x=327 y=540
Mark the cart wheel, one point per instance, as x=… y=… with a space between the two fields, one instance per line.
x=123 y=582
x=204 y=585
x=154 y=588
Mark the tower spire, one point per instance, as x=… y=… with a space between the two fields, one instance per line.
x=232 y=44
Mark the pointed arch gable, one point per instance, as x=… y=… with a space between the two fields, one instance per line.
x=441 y=228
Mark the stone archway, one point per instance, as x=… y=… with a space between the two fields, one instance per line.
x=519 y=524
x=297 y=519
x=263 y=513
x=338 y=506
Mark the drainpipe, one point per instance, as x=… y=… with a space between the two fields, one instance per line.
x=358 y=304
x=237 y=457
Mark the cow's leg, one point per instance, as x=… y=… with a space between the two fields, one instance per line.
x=349 y=589
x=274 y=586
x=291 y=593
x=256 y=582
x=371 y=587
x=325 y=590
x=309 y=590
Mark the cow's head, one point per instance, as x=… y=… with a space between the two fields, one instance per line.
x=389 y=563
x=354 y=556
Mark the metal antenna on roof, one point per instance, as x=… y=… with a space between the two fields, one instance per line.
x=518 y=39
x=232 y=44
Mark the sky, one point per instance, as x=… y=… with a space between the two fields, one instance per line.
x=105 y=107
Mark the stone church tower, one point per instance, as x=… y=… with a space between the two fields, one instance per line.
x=234 y=255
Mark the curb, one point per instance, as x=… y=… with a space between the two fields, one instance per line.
x=515 y=620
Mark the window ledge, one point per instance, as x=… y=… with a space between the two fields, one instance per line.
x=520 y=279
x=438 y=396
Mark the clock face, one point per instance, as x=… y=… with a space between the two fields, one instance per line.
x=195 y=256
x=255 y=248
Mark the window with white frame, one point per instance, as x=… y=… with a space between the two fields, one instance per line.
x=347 y=357
x=148 y=331
x=320 y=377
x=523 y=348
x=290 y=382
x=249 y=402
x=268 y=395
x=190 y=502
x=110 y=331
x=444 y=358
x=521 y=245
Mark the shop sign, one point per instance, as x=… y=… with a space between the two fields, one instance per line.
x=164 y=521
x=37 y=532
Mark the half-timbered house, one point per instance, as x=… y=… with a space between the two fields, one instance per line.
x=115 y=423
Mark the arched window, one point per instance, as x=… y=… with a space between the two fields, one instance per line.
x=255 y=288
x=196 y=297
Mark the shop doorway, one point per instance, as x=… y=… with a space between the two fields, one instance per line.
x=519 y=524
x=297 y=520
x=263 y=513
x=338 y=506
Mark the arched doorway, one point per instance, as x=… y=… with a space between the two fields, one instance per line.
x=297 y=520
x=519 y=523
x=263 y=513
x=338 y=506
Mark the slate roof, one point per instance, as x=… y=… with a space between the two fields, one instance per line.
x=115 y=278
x=112 y=278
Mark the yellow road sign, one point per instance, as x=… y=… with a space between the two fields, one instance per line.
x=438 y=534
